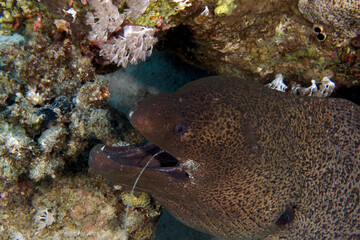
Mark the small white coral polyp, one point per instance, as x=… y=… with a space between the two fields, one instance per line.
x=44 y=217
x=326 y=88
x=278 y=83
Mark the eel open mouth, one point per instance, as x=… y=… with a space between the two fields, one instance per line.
x=105 y=159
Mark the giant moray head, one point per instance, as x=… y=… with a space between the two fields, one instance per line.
x=187 y=125
x=163 y=121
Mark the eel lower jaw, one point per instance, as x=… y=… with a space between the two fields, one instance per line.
x=103 y=159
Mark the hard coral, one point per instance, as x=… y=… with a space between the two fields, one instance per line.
x=139 y=203
x=52 y=108
x=46 y=165
x=51 y=139
x=268 y=37
x=36 y=79
x=225 y=7
x=138 y=199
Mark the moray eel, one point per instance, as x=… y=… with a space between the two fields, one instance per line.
x=246 y=162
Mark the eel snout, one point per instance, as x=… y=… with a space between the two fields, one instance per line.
x=113 y=161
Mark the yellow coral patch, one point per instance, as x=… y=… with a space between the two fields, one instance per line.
x=225 y=7
x=139 y=199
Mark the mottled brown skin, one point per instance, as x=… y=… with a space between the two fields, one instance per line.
x=265 y=164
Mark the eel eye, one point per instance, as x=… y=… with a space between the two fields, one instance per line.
x=180 y=129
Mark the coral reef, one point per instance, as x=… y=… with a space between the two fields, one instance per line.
x=13 y=13
x=43 y=81
x=267 y=38
x=38 y=120
x=58 y=89
x=261 y=37
x=53 y=107
x=80 y=206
